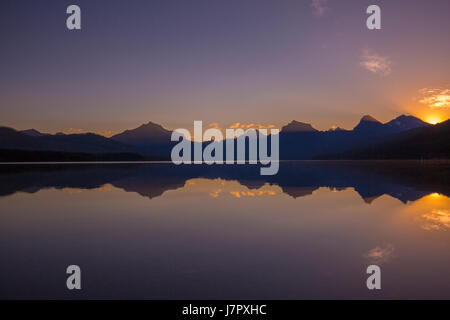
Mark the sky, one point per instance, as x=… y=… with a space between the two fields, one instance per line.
x=264 y=62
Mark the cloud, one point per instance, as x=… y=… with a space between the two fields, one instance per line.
x=319 y=7
x=239 y=194
x=380 y=255
x=375 y=63
x=74 y=131
x=437 y=219
x=105 y=133
x=216 y=193
x=235 y=126
x=235 y=193
x=435 y=98
x=250 y=126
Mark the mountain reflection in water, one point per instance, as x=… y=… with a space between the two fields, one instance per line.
x=403 y=180
x=160 y=231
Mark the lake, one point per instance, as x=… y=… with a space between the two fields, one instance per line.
x=160 y=231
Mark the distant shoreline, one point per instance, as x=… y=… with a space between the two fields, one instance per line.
x=427 y=161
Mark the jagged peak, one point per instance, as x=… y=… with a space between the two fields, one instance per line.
x=152 y=124
x=404 y=117
x=369 y=118
x=149 y=130
x=149 y=126
x=32 y=132
x=297 y=126
x=406 y=122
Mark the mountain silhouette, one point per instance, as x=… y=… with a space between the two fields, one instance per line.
x=369 y=125
x=32 y=133
x=404 y=123
x=418 y=143
x=367 y=133
x=298 y=141
x=146 y=135
x=295 y=126
x=149 y=138
x=60 y=147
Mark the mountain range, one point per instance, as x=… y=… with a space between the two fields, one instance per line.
x=403 y=137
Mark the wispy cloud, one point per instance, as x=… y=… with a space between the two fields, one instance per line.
x=251 y=126
x=215 y=193
x=214 y=125
x=319 y=7
x=259 y=193
x=375 y=63
x=74 y=131
x=105 y=133
x=435 y=97
x=437 y=219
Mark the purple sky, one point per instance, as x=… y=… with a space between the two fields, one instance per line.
x=252 y=61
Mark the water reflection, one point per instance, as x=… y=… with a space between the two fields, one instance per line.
x=438 y=219
x=159 y=231
x=432 y=212
x=403 y=180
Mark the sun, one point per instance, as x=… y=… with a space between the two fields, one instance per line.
x=435 y=195
x=433 y=119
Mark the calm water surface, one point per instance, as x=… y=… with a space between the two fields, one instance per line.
x=157 y=231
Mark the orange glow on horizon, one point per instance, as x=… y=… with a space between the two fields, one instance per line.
x=433 y=119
